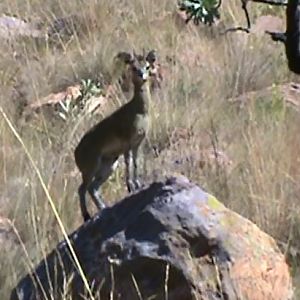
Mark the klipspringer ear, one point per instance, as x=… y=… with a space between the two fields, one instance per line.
x=151 y=57
x=125 y=57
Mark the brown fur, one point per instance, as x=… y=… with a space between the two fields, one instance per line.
x=119 y=134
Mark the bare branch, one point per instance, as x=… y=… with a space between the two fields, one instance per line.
x=234 y=29
x=277 y=36
x=240 y=28
x=272 y=2
x=244 y=7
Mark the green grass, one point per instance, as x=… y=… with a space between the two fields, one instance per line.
x=260 y=138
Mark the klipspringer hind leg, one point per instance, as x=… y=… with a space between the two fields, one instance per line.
x=105 y=168
x=128 y=161
x=132 y=183
x=88 y=175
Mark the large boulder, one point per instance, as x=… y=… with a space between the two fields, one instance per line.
x=170 y=241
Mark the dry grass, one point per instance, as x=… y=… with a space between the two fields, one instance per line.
x=263 y=183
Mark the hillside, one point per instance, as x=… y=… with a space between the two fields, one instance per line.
x=226 y=115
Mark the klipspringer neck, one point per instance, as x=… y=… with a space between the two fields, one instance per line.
x=142 y=97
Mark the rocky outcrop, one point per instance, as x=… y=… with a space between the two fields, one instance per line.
x=287 y=92
x=11 y=27
x=171 y=241
x=64 y=102
x=187 y=149
x=267 y=23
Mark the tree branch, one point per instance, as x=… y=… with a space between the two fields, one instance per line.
x=274 y=36
x=277 y=36
x=272 y=2
x=240 y=28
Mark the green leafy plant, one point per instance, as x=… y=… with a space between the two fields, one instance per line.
x=204 y=11
x=72 y=107
x=65 y=107
x=89 y=88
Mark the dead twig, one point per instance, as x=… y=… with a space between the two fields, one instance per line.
x=274 y=36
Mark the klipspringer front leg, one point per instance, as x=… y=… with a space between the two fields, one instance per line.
x=136 y=182
x=95 y=193
x=129 y=183
x=82 y=191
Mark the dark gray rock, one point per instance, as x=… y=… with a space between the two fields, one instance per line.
x=172 y=238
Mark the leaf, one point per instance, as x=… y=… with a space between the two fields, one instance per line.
x=204 y=11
